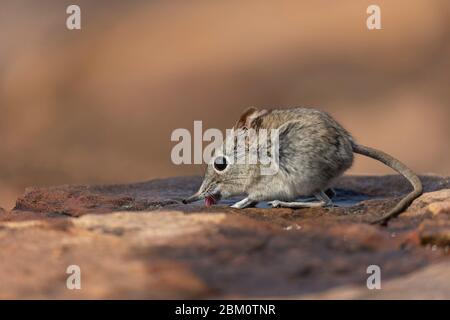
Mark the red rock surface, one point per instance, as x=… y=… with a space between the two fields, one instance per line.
x=139 y=241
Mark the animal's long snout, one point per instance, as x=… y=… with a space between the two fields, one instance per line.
x=192 y=198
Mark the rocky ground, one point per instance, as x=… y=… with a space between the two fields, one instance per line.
x=138 y=241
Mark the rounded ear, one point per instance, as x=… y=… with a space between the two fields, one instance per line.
x=246 y=119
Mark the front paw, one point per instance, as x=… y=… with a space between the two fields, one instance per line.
x=275 y=203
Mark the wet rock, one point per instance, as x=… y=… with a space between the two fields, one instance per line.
x=75 y=201
x=139 y=241
x=156 y=194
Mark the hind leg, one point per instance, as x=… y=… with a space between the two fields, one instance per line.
x=324 y=201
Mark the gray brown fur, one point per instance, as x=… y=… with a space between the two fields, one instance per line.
x=314 y=150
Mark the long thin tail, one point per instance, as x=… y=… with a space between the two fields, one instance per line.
x=400 y=168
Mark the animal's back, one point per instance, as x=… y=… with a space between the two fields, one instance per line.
x=314 y=149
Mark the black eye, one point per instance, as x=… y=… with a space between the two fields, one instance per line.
x=220 y=163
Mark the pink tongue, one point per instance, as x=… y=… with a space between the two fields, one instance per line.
x=209 y=201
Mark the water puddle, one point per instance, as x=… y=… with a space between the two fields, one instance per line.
x=343 y=198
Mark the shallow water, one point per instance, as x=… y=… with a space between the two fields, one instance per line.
x=343 y=198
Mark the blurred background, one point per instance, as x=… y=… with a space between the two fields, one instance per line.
x=99 y=105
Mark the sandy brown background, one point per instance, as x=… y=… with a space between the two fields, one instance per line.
x=99 y=105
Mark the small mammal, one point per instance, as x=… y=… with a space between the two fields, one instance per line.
x=314 y=150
